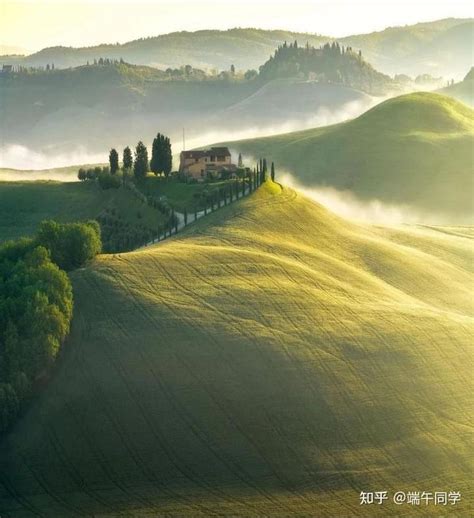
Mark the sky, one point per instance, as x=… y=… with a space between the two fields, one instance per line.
x=35 y=24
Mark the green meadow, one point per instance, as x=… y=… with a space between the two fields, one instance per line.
x=23 y=205
x=272 y=359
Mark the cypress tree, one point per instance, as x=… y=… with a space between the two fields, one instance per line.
x=273 y=172
x=140 y=166
x=167 y=156
x=127 y=159
x=156 y=154
x=113 y=161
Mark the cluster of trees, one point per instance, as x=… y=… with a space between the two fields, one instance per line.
x=330 y=63
x=161 y=163
x=161 y=159
x=107 y=61
x=102 y=175
x=36 y=305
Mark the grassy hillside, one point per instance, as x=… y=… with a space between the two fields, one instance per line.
x=272 y=360
x=462 y=91
x=23 y=205
x=414 y=150
x=439 y=47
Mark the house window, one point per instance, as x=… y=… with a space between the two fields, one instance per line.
x=221 y=158
x=196 y=160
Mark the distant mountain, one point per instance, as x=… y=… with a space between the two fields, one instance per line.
x=442 y=47
x=463 y=91
x=413 y=150
x=116 y=104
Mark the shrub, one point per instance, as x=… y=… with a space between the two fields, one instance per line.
x=72 y=244
x=108 y=181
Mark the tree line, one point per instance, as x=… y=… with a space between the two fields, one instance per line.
x=36 y=305
x=136 y=164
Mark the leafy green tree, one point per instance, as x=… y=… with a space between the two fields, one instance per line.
x=113 y=161
x=35 y=313
x=107 y=181
x=140 y=165
x=71 y=245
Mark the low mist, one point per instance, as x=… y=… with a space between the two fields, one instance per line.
x=21 y=157
x=35 y=165
x=349 y=206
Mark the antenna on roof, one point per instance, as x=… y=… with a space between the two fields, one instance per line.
x=184 y=141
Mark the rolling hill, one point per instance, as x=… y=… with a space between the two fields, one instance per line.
x=413 y=150
x=462 y=91
x=271 y=360
x=442 y=47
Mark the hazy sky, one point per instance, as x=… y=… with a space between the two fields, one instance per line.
x=34 y=24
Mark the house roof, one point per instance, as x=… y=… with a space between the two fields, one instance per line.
x=193 y=154
x=215 y=151
x=221 y=151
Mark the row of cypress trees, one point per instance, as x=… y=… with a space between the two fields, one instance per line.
x=223 y=196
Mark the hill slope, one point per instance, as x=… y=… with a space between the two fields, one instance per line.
x=462 y=91
x=414 y=150
x=272 y=360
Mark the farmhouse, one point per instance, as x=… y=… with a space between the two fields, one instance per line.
x=215 y=163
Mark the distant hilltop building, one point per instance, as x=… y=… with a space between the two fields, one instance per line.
x=211 y=163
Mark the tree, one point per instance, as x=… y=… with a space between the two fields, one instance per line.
x=232 y=70
x=264 y=170
x=113 y=161
x=82 y=175
x=167 y=157
x=140 y=165
x=127 y=162
x=156 y=162
x=71 y=245
x=161 y=155
x=240 y=163
x=273 y=172
x=108 y=181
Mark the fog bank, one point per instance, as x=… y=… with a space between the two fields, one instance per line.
x=347 y=205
